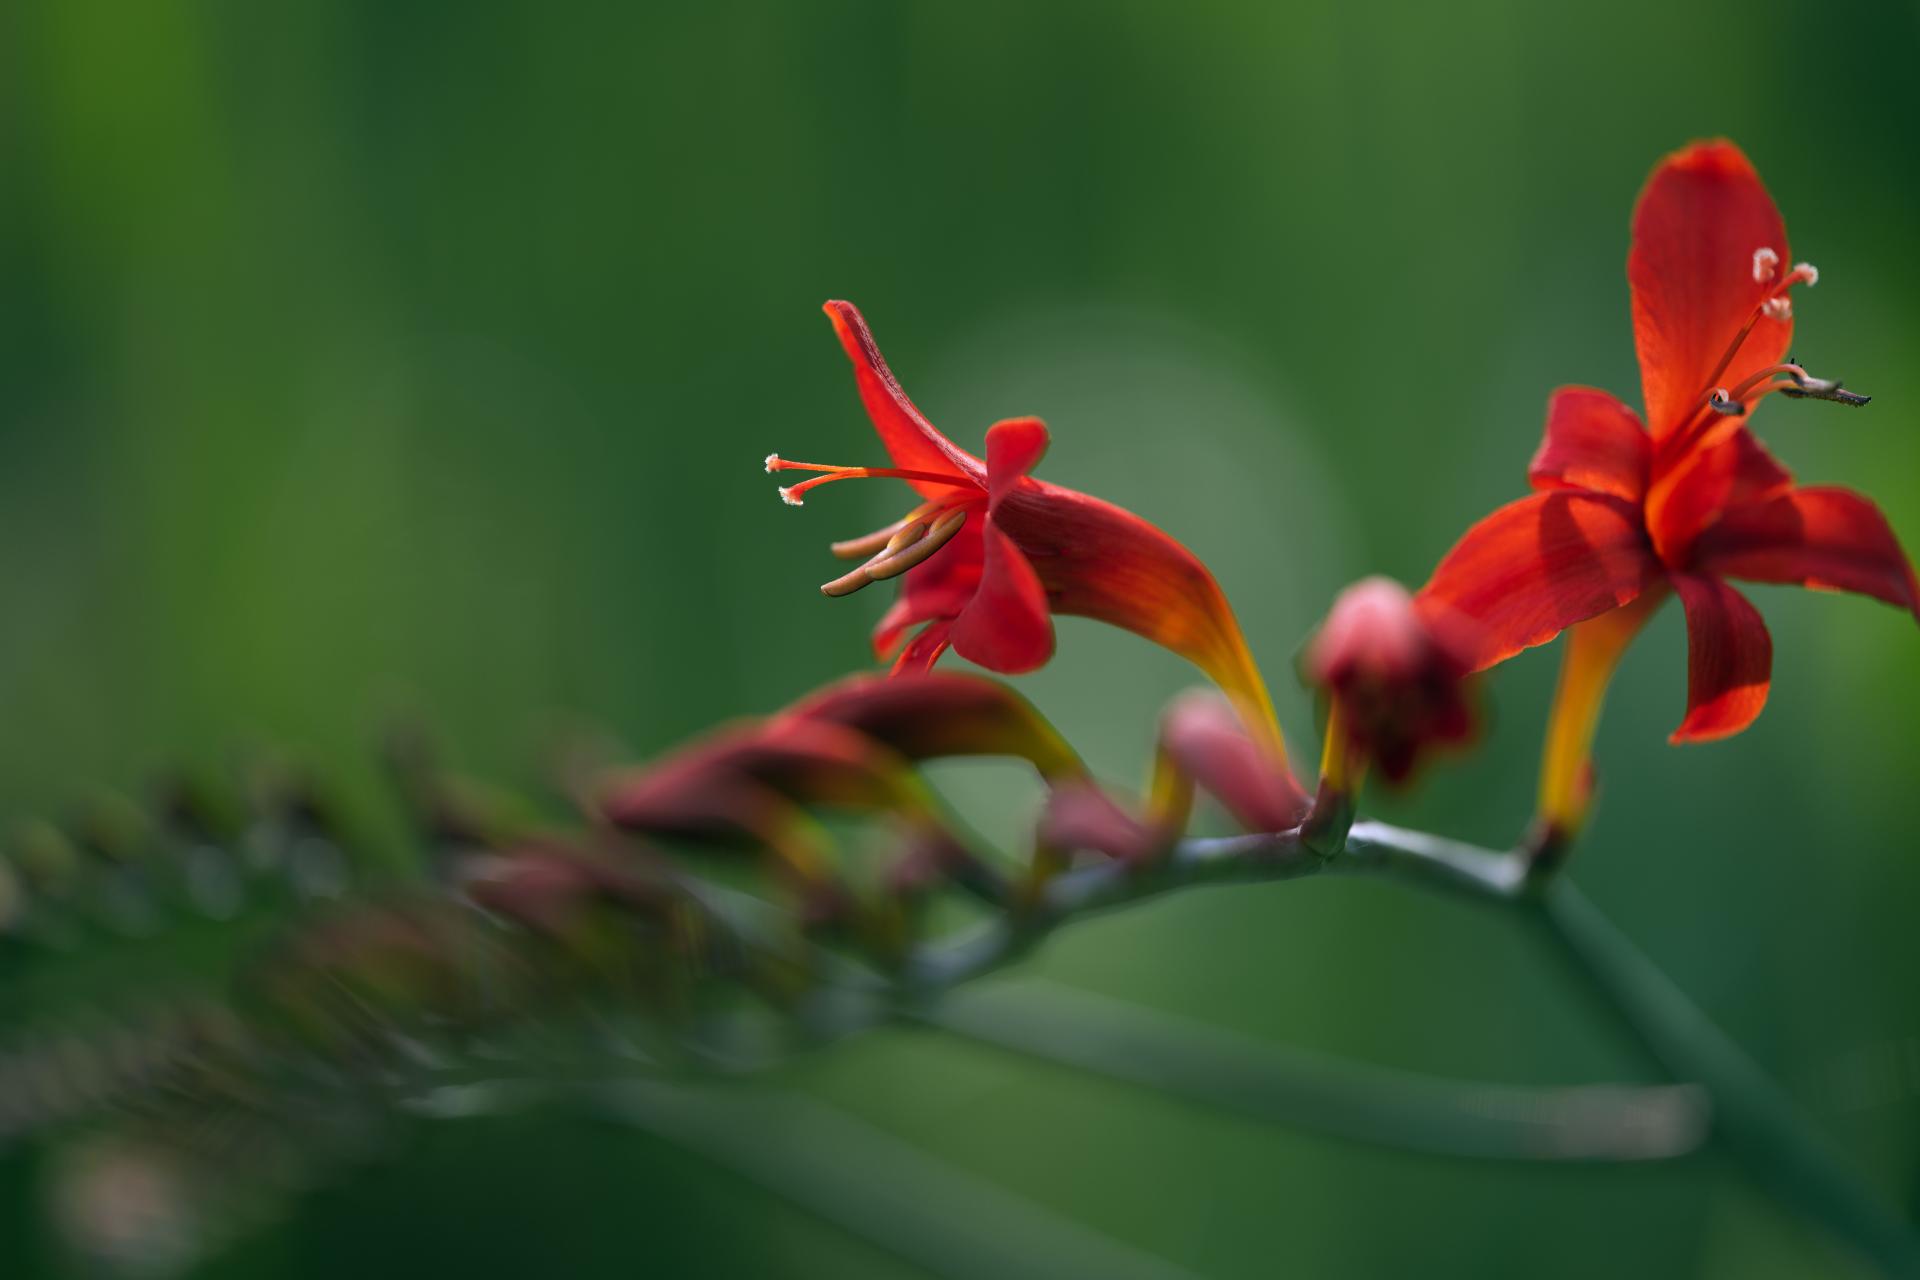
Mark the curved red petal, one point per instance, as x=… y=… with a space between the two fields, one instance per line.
x=939 y=588
x=1822 y=537
x=1592 y=443
x=1699 y=220
x=924 y=649
x=1539 y=565
x=1014 y=447
x=1006 y=626
x=929 y=715
x=1729 y=659
x=1729 y=468
x=911 y=441
x=1101 y=561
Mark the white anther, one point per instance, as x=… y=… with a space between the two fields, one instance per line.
x=1780 y=308
x=1807 y=272
x=792 y=499
x=1765 y=263
x=771 y=459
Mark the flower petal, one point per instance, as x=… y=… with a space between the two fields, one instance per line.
x=1592 y=442
x=936 y=589
x=1728 y=468
x=1822 y=537
x=1014 y=448
x=1699 y=220
x=1729 y=659
x=942 y=714
x=924 y=649
x=1006 y=626
x=1100 y=561
x=1539 y=565
x=911 y=441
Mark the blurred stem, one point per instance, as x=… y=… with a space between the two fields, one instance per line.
x=1181 y=1058
x=1372 y=848
x=1753 y=1117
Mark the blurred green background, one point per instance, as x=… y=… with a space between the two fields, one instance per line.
x=358 y=356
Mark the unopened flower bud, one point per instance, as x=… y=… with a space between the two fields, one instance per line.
x=1395 y=676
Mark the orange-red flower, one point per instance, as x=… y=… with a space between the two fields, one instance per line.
x=1625 y=513
x=1395 y=679
x=990 y=554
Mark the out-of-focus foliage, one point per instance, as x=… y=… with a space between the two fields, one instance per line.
x=358 y=357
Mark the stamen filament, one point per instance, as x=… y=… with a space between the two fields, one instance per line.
x=1803 y=273
x=1793 y=370
x=792 y=494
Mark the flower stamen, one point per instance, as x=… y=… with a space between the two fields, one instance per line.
x=793 y=495
x=909 y=546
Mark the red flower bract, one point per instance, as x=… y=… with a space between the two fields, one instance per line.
x=991 y=554
x=1625 y=512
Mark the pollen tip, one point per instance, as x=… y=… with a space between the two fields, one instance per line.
x=1807 y=272
x=1765 y=263
x=773 y=463
x=792 y=499
x=1722 y=401
x=1780 y=308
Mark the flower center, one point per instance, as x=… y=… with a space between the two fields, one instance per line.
x=895 y=548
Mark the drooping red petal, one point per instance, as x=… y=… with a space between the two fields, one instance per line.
x=1594 y=443
x=942 y=714
x=1100 y=561
x=925 y=649
x=938 y=589
x=1014 y=448
x=1821 y=537
x=1729 y=468
x=911 y=441
x=1699 y=219
x=1729 y=659
x=1006 y=626
x=1539 y=565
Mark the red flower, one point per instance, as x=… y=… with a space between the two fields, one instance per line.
x=752 y=784
x=1395 y=678
x=850 y=746
x=991 y=554
x=1625 y=513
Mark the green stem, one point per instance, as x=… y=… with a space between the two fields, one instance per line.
x=1400 y=1110
x=1753 y=1117
x=1755 y=1120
